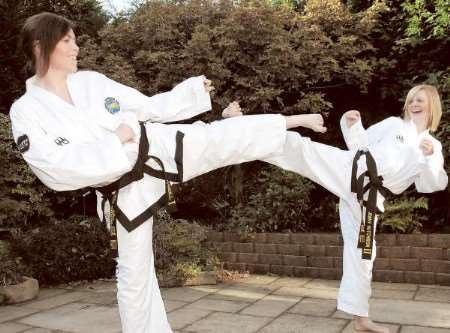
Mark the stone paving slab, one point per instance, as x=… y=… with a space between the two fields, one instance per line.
x=256 y=279
x=106 y=298
x=271 y=306
x=210 y=289
x=323 y=284
x=243 y=293
x=393 y=294
x=77 y=318
x=308 y=292
x=409 y=313
x=290 y=282
x=315 y=307
x=99 y=286
x=418 y=329
x=43 y=330
x=173 y=305
x=55 y=301
x=393 y=328
x=186 y=316
x=433 y=295
x=50 y=292
x=213 y=304
x=12 y=312
x=12 y=327
x=188 y=294
x=228 y=323
x=394 y=286
x=293 y=323
x=255 y=305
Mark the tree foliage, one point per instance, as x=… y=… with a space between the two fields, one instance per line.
x=87 y=14
x=324 y=56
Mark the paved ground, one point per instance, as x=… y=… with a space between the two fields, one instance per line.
x=262 y=304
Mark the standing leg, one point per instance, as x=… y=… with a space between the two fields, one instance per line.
x=355 y=289
x=331 y=168
x=141 y=306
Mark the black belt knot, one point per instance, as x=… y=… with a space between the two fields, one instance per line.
x=373 y=187
x=110 y=192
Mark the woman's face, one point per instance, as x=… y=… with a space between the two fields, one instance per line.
x=419 y=110
x=64 y=56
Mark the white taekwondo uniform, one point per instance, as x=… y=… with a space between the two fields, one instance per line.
x=73 y=146
x=394 y=144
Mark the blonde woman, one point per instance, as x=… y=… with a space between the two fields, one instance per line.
x=387 y=157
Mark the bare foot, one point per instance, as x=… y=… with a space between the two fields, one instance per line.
x=312 y=121
x=364 y=324
x=232 y=110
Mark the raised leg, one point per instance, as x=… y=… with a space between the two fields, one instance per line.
x=231 y=141
x=325 y=165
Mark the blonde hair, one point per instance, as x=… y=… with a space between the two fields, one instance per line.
x=435 y=108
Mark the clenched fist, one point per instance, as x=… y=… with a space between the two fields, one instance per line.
x=232 y=110
x=125 y=133
x=426 y=145
x=208 y=85
x=352 y=117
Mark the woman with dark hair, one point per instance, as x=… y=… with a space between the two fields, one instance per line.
x=79 y=129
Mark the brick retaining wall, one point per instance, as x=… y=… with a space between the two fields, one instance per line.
x=415 y=258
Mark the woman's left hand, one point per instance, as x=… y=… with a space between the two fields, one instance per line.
x=208 y=85
x=426 y=145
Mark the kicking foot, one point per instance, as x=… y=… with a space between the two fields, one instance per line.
x=312 y=121
x=232 y=110
x=364 y=324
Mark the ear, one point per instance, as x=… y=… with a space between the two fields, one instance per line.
x=37 y=49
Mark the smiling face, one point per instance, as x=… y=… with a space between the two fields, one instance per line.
x=44 y=35
x=64 y=57
x=418 y=110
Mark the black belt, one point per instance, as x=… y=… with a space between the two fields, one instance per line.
x=375 y=185
x=110 y=192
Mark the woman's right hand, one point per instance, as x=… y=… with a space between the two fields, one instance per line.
x=125 y=133
x=352 y=117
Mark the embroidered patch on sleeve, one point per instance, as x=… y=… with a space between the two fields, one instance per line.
x=23 y=143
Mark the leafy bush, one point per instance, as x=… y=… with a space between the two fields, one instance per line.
x=180 y=250
x=270 y=57
x=280 y=203
x=76 y=249
x=404 y=214
x=10 y=269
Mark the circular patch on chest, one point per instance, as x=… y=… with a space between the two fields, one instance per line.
x=112 y=105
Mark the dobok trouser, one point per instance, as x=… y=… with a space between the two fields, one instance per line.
x=331 y=168
x=202 y=148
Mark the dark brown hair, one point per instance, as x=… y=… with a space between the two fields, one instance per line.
x=46 y=29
